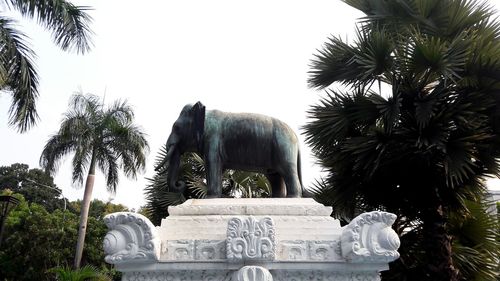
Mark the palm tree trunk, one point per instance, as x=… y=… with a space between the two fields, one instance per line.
x=438 y=246
x=84 y=214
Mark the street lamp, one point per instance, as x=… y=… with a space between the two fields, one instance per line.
x=53 y=188
x=7 y=203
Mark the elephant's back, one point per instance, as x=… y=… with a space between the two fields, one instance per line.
x=250 y=139
x=253 y=125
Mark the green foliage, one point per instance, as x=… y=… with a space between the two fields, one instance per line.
x=35 y=185
x=421 y=148
x=475 y=246
x=36 y=240
x=99 y=209
x=69 y=25
x=87 y=272
x=192 y=172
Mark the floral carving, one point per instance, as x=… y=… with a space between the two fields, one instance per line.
x=250 y=239
x=370 y=238
x=131 y=236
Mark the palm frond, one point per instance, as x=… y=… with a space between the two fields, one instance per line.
x=197 y=186
x=86 y=104
x=374 y=54
x=18 y=75
x=87 y=272
x=335 y=62
x=129 y=142
x=108 y=163
x=77 y=125
x=340 y=115
x=465 y=15
x=246 y=184
x=120 y=111
x=344 y=201
x=81 y=161
x=476 y=245
x=433 y=58
x=158 y=198
x=53 y=151
x=440 y=18
x=69 y=23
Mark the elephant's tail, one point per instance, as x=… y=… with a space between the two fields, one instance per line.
x=305 y=192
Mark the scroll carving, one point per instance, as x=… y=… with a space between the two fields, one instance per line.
x=130 y=237
x=370 y=238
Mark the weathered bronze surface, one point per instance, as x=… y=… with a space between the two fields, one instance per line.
x=240 y=141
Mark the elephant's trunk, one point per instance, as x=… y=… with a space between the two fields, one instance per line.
x=171 y=147
x=174 y=157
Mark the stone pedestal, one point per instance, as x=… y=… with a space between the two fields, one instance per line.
x=284 y=239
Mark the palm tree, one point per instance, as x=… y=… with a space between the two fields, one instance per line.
x=422 y=147
x=69 y=25
x=104 y=138
x=475 y=247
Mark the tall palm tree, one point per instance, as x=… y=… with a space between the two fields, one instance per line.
x=422 y=147
x=99 y=137
x=69 y=25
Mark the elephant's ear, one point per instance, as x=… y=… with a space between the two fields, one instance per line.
x=198 y=112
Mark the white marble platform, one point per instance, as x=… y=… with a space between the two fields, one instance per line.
x=251 y=239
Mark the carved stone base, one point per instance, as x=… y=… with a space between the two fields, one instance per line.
x=250 y=273
x=251 y=240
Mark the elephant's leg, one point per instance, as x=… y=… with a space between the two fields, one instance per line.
x=213 y=167
x=293 y=187
x=277 y=185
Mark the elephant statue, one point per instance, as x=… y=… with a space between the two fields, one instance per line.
x=239 y=141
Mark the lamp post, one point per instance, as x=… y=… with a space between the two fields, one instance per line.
x=7 y=203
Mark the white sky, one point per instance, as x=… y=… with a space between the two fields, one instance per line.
x=241 y=56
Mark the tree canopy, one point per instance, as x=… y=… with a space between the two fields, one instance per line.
x=416 y=128
x=34 y=184
x=37 y=240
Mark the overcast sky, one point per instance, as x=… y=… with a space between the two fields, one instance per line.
x=240 y=56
